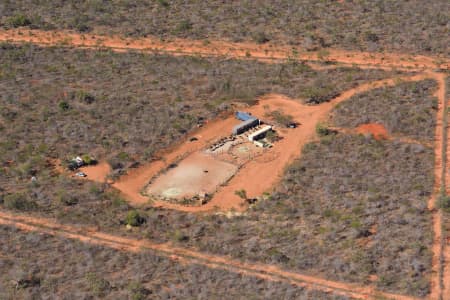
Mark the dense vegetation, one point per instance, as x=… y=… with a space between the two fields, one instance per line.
x=408 y=109
x=412 y=26
x=38 y=266
x=58 y=102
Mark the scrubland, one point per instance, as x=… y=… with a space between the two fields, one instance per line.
x=399 y=26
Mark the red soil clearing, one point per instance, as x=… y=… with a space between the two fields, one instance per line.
x=97 y=172
x=267 y=51
x=257 y=176
x=378 y=131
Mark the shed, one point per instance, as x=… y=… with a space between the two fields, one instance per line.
x=243 y=116
x=244 y=126
x=259 y=133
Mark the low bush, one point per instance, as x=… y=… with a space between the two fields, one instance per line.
x=18 y=21
x=281 y=118
x=91 y=271
x=323 y=130
x=134 y=218
x=444 y=203
x=18 y=201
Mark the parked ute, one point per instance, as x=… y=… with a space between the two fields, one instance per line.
x=81 y=174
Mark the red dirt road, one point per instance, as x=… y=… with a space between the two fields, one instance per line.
x=439 y=181
x=181 y=255
x=220 y=48
x=444 y=242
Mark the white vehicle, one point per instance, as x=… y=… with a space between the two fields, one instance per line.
x=80 y=174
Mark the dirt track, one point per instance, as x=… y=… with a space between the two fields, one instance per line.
x=220 y=48
x=439 y=171
x=379 y=132
x=266 y=272
x=129 y=184
x=444 y=249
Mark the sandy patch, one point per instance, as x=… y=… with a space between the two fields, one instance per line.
x=198 y=173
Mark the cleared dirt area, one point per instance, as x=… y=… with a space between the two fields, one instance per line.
x=255 y=177
x=197 y=173
x=219 y=48
x=97 y=172
x=378 y=131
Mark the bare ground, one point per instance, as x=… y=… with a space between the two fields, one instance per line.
x=220 y=48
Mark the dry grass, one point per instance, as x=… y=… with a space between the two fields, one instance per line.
x=407 y=109
x=40 y=266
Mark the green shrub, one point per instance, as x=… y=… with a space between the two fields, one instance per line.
x=99 y=286
x=64 y=106
x=134 y=219
x=138 y=292
x=319 y=94
x=163 y=3
x=123 y=156
x=19 y=21
x=79 y=23
x=184 y=26
x=179 y=236
x=272 y=136
x=260 y=37
x=18 y=201
x=88 y=160
x=444 y=202
x=323 y=130
x=84 y=97
x=281 y=118
x=371 y=37
x=68 y=200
